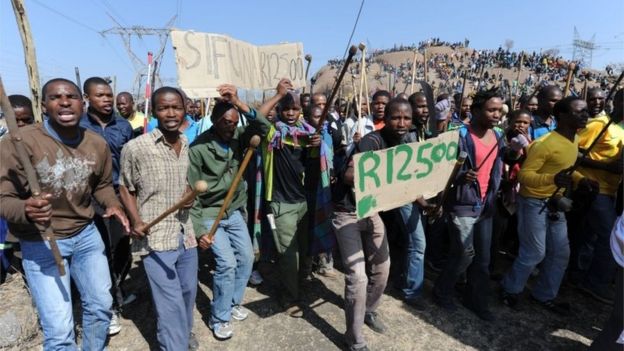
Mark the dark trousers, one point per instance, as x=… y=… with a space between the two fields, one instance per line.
x=613 y=327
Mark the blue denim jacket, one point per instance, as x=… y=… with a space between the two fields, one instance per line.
x=116 y=133
x=464 y=200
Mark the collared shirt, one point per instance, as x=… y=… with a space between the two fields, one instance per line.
x=191 y=132
x=151 y=169
x=539 y=127
x=116 y=133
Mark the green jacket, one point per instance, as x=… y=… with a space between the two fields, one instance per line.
x=209 y=161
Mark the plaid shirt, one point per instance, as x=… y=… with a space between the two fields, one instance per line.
x=151 y=169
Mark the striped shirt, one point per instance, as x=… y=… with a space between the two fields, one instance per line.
x=151 y=169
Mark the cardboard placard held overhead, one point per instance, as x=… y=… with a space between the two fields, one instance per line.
x=390 y=178
x=207 y=60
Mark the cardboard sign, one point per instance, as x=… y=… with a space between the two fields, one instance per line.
x=207 y=60
x=390 y=178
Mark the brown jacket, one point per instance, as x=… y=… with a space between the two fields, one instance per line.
x=71 y=174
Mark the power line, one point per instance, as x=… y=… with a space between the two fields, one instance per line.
x=66 y=17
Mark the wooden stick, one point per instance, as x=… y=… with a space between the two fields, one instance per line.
x=514 y=97
x=568 y=79
x=449 y=182
x=308 y=59
x=614 y=87
x=31 y=175
x=29 y=56
x=200 y=187
x=413 y=73
x=330 y=100
x=253 y=144
x=425 y=60
x=362 y=48
x=78 y=82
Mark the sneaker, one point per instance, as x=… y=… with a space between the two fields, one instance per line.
x=372 y=320
x=606 y=297
x=193 y=343
x=560 y=308
x=255 y=278
x=115 y=326
x=510 y=300
x=239 y=313
x=416 y=303
x=222 y=331
x=361 y=348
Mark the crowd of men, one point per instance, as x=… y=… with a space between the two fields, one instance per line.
x=107 y=174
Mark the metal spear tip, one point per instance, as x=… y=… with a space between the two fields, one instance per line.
x=352 y=50
x=255 y=141
x=201 y=186
x=308 y=57
x=362 y=46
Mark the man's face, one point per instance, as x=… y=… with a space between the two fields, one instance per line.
x=100 y=97
x=595 y=102
x=62 y=103
x=23 y=116
x=290 y=114
x=490 y=114
x=125 y=105
x=400 y=120
x=226 y=125
x=379 y=106
x=420 y=110
x=319 y=100
x=192 y=108
x=305 y=102
x=531 y=105
x=579 y=113
x=169 y=111
x=315 y=117
x=552 y=97
x=465 y=107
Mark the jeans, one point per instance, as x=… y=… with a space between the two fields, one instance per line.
x=541 y=239
x=600 y=219
x=363 y=246
x=415 y=257
x=470 y=240
x=172 y=276
x=85 y=261
x=233 y=253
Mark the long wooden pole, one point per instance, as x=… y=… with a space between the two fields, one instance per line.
x=200 y=187
x=413 y=73
x=29 y=56
x=253 y=144
x=31 y=175
x=426 y=69
x=566 y=90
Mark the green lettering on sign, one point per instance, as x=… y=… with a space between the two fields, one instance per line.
x=365 y=205
x=422 y=159
x=389 y=165
x=370 y=172
x=408 y=150
x=451 y=151
x=438 y=152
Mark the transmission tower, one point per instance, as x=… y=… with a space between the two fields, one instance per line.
x=583 y=50
x=140 y=65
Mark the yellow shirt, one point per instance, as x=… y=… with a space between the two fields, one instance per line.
x=607 y=149
x=137 y=120
x=547 y=156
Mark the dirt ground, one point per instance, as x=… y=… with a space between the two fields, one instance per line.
x=322 y=327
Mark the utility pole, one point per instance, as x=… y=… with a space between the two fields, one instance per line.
x=29 y=56
x=140 y=67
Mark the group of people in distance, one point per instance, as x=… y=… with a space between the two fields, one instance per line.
x=106 y=175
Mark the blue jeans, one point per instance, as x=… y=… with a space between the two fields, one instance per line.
x=470 y=241
x=416 y=244
x=600 y=219
x=541 y=239
x=233 y=253
x=172 y=276
x=86 y=262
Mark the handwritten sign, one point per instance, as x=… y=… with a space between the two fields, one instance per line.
x=390 y=178
x=206 y=60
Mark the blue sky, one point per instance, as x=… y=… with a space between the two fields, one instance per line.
x=66 y=31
